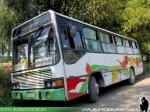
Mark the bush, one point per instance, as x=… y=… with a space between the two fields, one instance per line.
x=5 y=84
x=5 y=89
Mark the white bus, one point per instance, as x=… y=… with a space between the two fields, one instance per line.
x=59 y=58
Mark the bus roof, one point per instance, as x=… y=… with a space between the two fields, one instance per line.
x=30 y=20
x=26 y=22
x=76 y=21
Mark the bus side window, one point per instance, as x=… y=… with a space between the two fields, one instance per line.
x=76 y=37
x=64 y=38
x=119 y=45
x=91 y=40
x=107 y=42
x=135 y=48
x=128 y=47
x=72 y=43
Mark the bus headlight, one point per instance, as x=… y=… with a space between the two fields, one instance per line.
x=54 y=83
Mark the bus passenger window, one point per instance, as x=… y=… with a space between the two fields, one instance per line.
x=128 y=46
x=119 y=45
x=75 y=34
x=107 y=42
x=65 y=40
x=92 y=44
x=135 y=48
x=72 y=43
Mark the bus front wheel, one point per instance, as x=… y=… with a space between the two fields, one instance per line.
x=93 y=89
x=131 y=80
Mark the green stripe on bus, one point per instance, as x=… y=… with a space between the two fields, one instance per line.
x=84 y=87
x=53 y=94
x=96 y=67
x=40 y=94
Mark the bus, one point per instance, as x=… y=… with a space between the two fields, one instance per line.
x=58 y=58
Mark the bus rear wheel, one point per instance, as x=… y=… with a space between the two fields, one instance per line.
x=131 y=80
x=93 y=89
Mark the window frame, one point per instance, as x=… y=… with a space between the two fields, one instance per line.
x=62 y=23
x=136 y=47
x=130 y=46
x=118 y=45
x=111 y=39
x=100 y=49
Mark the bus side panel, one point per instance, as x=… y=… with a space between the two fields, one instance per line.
x=76 y=74
x=110 y=66
x=77 y=78
x=114 y=67
x=139 y=65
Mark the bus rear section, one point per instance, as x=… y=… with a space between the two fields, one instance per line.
x=38 y=67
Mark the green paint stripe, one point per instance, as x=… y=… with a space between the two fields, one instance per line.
x=84 y=87
x=96 y=67
x=55 y=94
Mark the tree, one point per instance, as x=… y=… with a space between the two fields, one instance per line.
x=8 y=19
x=103 y=13
x=136 y=24
x=24 y=8
x=127 y=17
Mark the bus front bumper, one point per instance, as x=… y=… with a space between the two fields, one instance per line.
x=39 y=94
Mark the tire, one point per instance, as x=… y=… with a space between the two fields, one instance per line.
x=93 y=90
x=131 y=80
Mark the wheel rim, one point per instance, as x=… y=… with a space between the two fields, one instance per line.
x=132 y=76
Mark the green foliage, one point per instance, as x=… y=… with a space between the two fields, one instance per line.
x=136 y=23
x=5 y=89
x=5 y=83
x=103 y=13
x=25 y=8
x=136 y=15
x=8 y=20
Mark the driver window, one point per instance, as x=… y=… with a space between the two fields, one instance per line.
x=71 y=38
x=75 y=34
x=71 y=42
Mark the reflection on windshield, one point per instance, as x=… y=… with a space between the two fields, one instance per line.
x=22 y=61
x=41 y=48
x=23 y=52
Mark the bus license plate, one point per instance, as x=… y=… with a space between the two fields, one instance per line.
x=30 y=95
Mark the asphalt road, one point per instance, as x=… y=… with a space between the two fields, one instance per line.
x=120 y=96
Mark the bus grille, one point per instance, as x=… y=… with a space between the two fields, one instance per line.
x=33 y=79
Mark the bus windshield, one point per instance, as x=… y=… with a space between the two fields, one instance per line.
x=43 y=48
x=37 y=49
